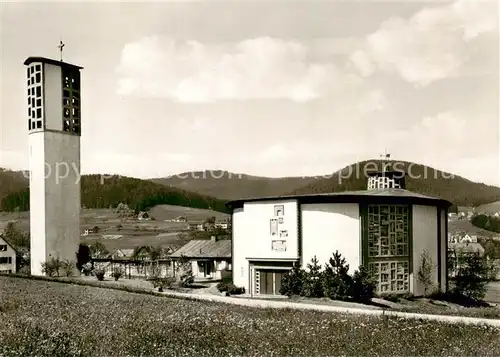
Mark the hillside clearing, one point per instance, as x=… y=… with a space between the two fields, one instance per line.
x=49 y=320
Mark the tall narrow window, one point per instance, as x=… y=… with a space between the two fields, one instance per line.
x=274 y=226
x=388 y=247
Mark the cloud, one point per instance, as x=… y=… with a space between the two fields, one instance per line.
x=431 y=45
x=193 y=72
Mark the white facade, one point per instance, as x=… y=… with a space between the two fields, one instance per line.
x=7 y=257
x=260 y=245
x=54 y=156
x=329 y=227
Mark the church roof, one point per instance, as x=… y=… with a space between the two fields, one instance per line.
x=388 y=195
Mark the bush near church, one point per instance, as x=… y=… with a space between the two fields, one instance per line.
x=333 y=281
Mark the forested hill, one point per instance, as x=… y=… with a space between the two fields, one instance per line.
x=231 y=186
x=12 y=181
x=419 y=178
x=102 y=191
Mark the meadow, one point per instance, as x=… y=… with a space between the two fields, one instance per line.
x=41 y=318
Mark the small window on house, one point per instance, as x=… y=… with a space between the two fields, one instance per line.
x=66 y=81
x=75 y=112
x=32 y=69
x=38 y=102
x=33 y=114
x=66 y=113
x=38 y=68
x=279 y=210
x=32 y=91
x=39 y=113
x=38 y=78
x=29 y=100
x=39 y=124
x=66 y=125
x=66 y=102
x=28 y=72
x=5 y=260
x=3 y=247
x=29 y=124
x=66 y=93
x=38 y=91
x=29 y=82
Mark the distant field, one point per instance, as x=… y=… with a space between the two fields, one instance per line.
x=163 y=212
x=131 y=242
x=135 y=233
x=466 y=226
x=489 y=207
x=87 y=321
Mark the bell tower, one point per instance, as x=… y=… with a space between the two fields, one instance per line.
x=54 y=127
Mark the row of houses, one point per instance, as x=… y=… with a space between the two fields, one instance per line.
x=209 y=259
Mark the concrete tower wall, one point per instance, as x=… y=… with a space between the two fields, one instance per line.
x=54 y=171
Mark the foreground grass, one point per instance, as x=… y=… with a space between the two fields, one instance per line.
x=42 y=318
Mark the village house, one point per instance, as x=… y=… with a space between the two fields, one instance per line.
x=385 y=228
x=7 y=257
x=210 y=259
x=221 y=225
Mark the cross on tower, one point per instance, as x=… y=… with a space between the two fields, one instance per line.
x=385 y=157
x=61 y=46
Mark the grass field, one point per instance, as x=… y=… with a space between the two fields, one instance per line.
x=52 y=319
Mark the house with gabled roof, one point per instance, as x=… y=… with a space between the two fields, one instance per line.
x=8 y=256
x=210 y=259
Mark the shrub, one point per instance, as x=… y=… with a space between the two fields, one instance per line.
x=292 y=283
x=363 y=285
x=68 y=267
x=313 y=280
x=163 y=283
x=117 y=273
x=52 y=266
x=224 y=286
x=336 y=279
x=424 y=275
x=87 y=269
x=473 y=275
x=99 y=273
x=236 y=290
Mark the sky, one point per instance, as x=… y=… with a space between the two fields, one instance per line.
x=265 y=88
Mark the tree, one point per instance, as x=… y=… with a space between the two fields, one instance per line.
x=424 y=275
x=337 y=281
x=98 y=250
x=209 y=220
x=82 y=256
x=363 y=285
x=313 y=285
x=292 y=282
x=16 y=236
x=184 y=272
x=473 y=275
